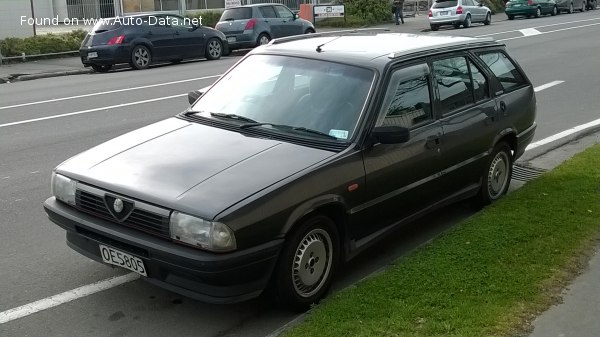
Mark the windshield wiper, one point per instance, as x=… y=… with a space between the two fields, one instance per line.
x=289 y=127
x=233 y=116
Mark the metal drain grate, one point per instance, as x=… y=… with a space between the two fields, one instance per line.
x=526 y=173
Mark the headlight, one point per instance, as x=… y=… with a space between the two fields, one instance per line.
x=209 y=235
x=63 y=188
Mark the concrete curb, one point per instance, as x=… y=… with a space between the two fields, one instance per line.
x=50 y=74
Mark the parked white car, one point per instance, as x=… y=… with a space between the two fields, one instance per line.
x=457 y=13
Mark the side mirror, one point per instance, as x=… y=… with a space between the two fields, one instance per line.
x=390 y=134
x=481 y=4
x=193 y=96
x=296 y=16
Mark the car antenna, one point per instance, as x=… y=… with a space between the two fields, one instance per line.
x=319 y=49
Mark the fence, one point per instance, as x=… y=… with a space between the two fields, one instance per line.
x=86 y=9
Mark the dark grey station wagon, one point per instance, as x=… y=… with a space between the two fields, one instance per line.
x=308 y=150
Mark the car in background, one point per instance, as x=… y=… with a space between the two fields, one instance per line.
x=457 y=13
x=530 y=8
x=255 y=25
x=143 y=39
x=571 y=6
x=296 y=160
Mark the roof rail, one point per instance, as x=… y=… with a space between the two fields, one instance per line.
x=336 y=32
x=477 y=42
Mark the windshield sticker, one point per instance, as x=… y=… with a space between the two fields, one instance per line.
x=342 y=134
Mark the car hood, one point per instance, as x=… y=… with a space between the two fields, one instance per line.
x=189 y=167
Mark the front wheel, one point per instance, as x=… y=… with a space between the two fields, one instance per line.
x=497 y=175
x=554 y=11
x=435 y=27
x=309 y=31
x=511 y=17
x=214 y=49
x=488 y=19
x=307 y=263
x=140 y=57
x=571 y=9
x=538 y=12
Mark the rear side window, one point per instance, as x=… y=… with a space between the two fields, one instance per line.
x=106 y=25
x=241 y=13
x=267 y=12
x=445 y=3
x=454 y=83
x=504 y=69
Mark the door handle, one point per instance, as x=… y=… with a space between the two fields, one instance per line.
x=502 y=106
x=432 y=142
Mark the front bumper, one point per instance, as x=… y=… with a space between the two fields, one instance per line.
x=208 y=277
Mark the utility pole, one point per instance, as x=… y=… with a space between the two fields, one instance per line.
x=33 y=17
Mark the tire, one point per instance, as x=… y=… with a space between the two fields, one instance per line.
x=488 y=19
x=511 y=17
x=315 y=244
x=263 y=39
x=570 y=11
x=554 y=11
x=102 y=68
x=214 y=49
x=141 y=57
x=495 y=179
x=309 y=31
x=582 y=7
x=435 y=28
x=467 y=22
x=538 y=12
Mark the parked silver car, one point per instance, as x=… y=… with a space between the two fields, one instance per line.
x=571 y=6
x=254 y=25
x=457 y=13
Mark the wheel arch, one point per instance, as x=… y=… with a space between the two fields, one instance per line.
x=509 y=136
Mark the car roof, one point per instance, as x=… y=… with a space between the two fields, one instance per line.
x=367 y=48
x=257 y=5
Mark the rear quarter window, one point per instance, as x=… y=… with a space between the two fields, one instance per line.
x=241 y=13
x=106 y=25
x=504 y=69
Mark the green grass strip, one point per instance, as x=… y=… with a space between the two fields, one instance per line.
x=489 y=275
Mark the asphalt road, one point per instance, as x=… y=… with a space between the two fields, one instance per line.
x=35 y=136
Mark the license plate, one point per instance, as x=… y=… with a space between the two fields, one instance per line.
x=444 y=13
x=122 y=259
x=231 y=39
x=92 y=55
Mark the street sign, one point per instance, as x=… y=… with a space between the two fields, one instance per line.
x=233 y=3
x=325 y=11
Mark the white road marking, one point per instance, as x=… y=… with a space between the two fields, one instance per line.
x=547 y=85
x=90 y=110
x=529 y=32
x=549 y=25
x=67 y=296
x=563 y=134
x=551 y=31
x=108 y=92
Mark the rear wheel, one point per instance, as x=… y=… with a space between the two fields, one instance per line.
x=582 y=9
x=214 y=49
x=467 y=22
x=538 y=12
x=496 y=176
x=140 y=57
x=263 y=39
x=435 y=27
x=570 y=11
x=488 y=19
x=101 y=68
x=307 y=263
x=554 y=11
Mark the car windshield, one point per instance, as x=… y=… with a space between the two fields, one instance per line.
x=445 y=3
x=317 y=95
x=241 y=13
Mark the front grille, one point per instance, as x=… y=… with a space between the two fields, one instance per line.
x=141 y=219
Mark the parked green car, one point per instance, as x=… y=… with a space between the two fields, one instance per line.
x=530 y=8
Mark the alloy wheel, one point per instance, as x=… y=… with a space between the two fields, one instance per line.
x=214 y=49
x=312 y=262
x=498 y=175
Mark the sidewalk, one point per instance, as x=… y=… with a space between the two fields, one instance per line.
x=42 y=69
